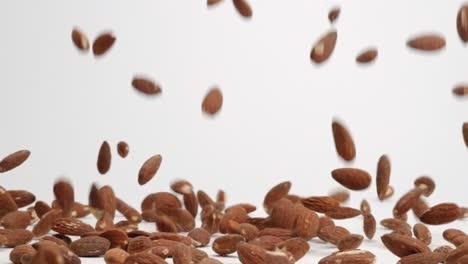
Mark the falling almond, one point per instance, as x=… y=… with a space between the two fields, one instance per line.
x=461 y=90
x=149 y=169
x=243 y=7
x=213 y=101
x=122 y=149
x=351 y=178
x=80 y=40
x=367 y=56
x=324 y=47
x=334 y=14
x=344 y=143
x=103 y=43
x=213 y=2
x=462 y=23
x=383 y=176
x=104 y=158
x=146 y=86
x=428 y=42
x=465 y=133
x=14 y=160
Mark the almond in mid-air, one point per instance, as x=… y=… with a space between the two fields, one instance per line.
x=344 y=143
x=352 y=178
x=149 y=169
x=367 y=56
x=428 y=42
x=324 y=47
x=212 y=102
x=334 y=14
x=103 y=43
x=14 y=160
x=462 y=23
x=146 y=86
x=104 y=158
x=243 y=7
x=80 y=40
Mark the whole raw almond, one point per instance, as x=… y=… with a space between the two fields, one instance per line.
x=342 y=212
x=406 y=202
x=7 y=204
x=426 y=258
x=22 y=198
x=182 y=187
x=383 y=176
x=333 y=234
x=427 y=42
x=226 y=244
x=324 y=47
x=351 y=241
x=80 y=40
x=123 y=149
x=420 y=207
x=460 y=90
x=201 y=236
x=182 y=254
x=456 y=254
x=402 y=245
x=65 y=196
x=344 y=143
x=146 y=86
x=349 y=257
x=320 y=204
x=250 y=254
x=352 y=178
x=451 y=233
x=340 y=195
x=213 y=2
x=109 y=201
x=191 y=203
x=14 y=160
x=282 y=233
x=139 y=244
x=237 y=214
x=144 y=258
x=212 y=102
x=365 y=207
x=71 y=226
x=19 y=251
x=47 y=221
x=117 y=237
x=325 y=221
x=116 y=256
x=275 y=194
x=367 y=56
x=462 y=23
x=16 y=237
x=441 y=214
x=104 y=158
x=103 y=43
x=149 y=169
x=159 y=200
x=16 y=220
x=92 y=246
x=369 y=225
x=394 y=224
x=297 y=247
x=426 y=184
x=422 y=233
x=333 y=14
x=243 y=8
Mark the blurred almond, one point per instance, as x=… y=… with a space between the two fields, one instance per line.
x=146 y=86
x=104 y=158
x=123 y=149
x=92 y=246
x=367 y=56
x=351 y=178
x=14 y=160
x=349 y=257
x=402 y=245
x=344 y=143
x=226 y=244
x=213 y=101
x=149 y=169
x=243 y=7
x=22 y=198
x=103 y=43
x=441 y=214
x=369 y=225
x=422 y=233
x=462 y=23
x=320 y=204
x=80 y=40
x=323 y=48
x=427 y=42
x=333 y=14
x=115 y=256
x=351 y=241
x=383 y=176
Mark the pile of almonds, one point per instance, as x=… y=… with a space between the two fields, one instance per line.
x=54 y=233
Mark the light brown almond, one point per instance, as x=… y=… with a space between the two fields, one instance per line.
x=226 y=244
x=182 y=254
x=427 y=42
x=333 y=234
x=116 y=256
x=92 y=246
x=191 y=203
x=103 y=43
x=201 y=236
x=213 y=2
x=16 y=237
x=426 y=184
x=213 y=101
x=323 y=48
x=426 y=258
x=456 y=254
x=344 y=143
x=144 y=258
x=367 y=56
x=243 y=8
x=14 y=160
x=276 y=193
x=462 y=23
x=402 y=245
x=383 y=176
x=71 y=226
x=320 y=204
x=351 y=241
x=65 y=196
x=342 y=212
x=47 y=221
x=19 y=251
x=420 y=207
x=80 y=40
x=340 y=195
x=22 y=198
x=365 y=207
x=349 y=257
x=422 y=233
x=149 y=169
x=104 y=158
x=116 y=237
x=441 y=214
x=16 y=220
x=139 y=244
x=352 y=178
x=406 y=202
x=123 y=149
x=182 y=187
x=146 y=86
x=250 y=254
x=333 y=14
x=460 y=90
x=297 y=247
x=130 y=213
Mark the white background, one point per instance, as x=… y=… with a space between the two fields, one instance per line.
x=275 y=123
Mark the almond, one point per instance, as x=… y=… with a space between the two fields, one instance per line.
x=367 y=56
x=365 y=207
x=427 y=42
x=149 y=169
x=426 y=258
x=426 y=184
x=340 y=195
x=191 y=203
x=92 y=246
x=16 y=237
x=320 y=204
x=457 y=253
x=422 y=233
x=351 y=241
x=277 y=232
x=248 y=231
x=213 y=2
x=276 y=193
x=297 y=247
x=243 y=8
x=14 y=160
x=250 y=254
x=123 y=149
x=342 y=212
x=80 y=40
x=278 y=257
x=65 y=196
x=16 y=220
x=213 y=101
x=441 y=214
x=462 y=23
x=406 y=202
x=420 y=207
x=344 y=143
x=333 y=234
x=144 y=258
x=22 y=198
x=383 y=176
x=333 y=14
x=182 y=187
x=451 y=233
x=369 y=225
x=460 y=90
x=47 y=221
x=227 y=244
x=103 y=43
x=117 y=237
x=351 y=178
x=394 y=224
x=108 y=200
x=145 y=86
x=71 y=226
x=325 y=221
x=322 y=50
x=201 y=236
x=139 y=244
x=237 y=214
x=402 y=245
x=267 y=242
x=171 y=236
x=104 y=158
x=182 y=254
x=349 y=257
x=19 y=251
x=115 y=256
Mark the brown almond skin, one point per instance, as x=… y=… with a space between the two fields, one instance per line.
x=19 y=251
x=325 y=221
x=426 y=184
x=457 y=253
x=237 y=214
x=460 y=90
x=226 y=244
x=422 y=233
x=16 y=220
x=297 y=247
x=355 y=256
x=182 y=254
x=420 y=207
x=92 y=246
x=243 y=8
x=116 y=256
x=426 y=258
x=352 y=178
x=139 y=244
x=117 y=237
x=210 y=261
x=333 y=234
x=104 y=158
x=334 y=14
x=441 y=214
x=367 y=56
x=406 y=202
x=71 y=226
x=213 y=2
x=383 y=176
x=123 y=149
x=276 y=193
x=16 y=237
x=351 y=241
x=149 y=169
x=65 y=196
x=130 y=213
x=451 y=233
x=250 y=254
x=7 y=204
x=14 y=160
x=182 y=187
x=47 y=221
x=344 y=143
x=402 y=245
x=212 y=102
x=324 y=47
x=340 y=195
x=144 y=258
x=320 y=204
x=369 y=226
x=342 y=212
x=159 y=200
x=394 y=224
x=462 y=23
x=80 y=40
x=365 y=207
x=465 y=133
x=201 y=236
x=191 y=203
x=103 y=43
x=428 y=42
x=145 y=86
x=22 y=198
